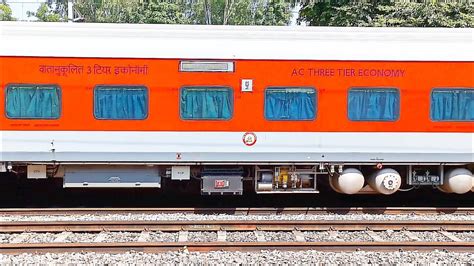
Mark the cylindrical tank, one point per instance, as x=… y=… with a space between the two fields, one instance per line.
x=386 y=181
x=458 y=180
x=349 y=182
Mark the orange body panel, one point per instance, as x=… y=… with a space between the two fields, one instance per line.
x=332 y=79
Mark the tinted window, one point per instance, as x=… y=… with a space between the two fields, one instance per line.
x=373 y=104
x=452 y=105
x=33 y=101
x=120 y=102
x=207 y=103
x=290 y=103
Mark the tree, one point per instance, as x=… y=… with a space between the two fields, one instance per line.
x=164 y=13
x=276 y=13
x=367 y=13
x=388 y=13
x=240 y=12
x=234 y=12
x=44 y=13
x=131 y=11
x=109 y=11
x=5 y=12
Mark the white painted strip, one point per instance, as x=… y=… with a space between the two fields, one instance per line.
x=1 y=145
x=236 y=42
x=198 y=141
x=228 y=146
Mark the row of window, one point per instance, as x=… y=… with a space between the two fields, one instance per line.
x=216 y=103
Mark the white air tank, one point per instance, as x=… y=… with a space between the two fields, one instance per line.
x=458 y=180
x=349 y=182
x=386 y=181
x=472 y=189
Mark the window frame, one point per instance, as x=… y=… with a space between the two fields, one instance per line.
x=316 y=97
x=147 y=102
x=229 y=88
x=447 y=88
x=396 y=89
x=57 y=88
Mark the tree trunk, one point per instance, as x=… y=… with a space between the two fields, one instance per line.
x=207 y=12
x=227 y=11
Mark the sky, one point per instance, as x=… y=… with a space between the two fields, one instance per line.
x=20 y=7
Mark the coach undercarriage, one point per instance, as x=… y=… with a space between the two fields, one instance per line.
x=265 y=178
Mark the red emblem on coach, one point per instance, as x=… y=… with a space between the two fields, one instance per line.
x=249 y=138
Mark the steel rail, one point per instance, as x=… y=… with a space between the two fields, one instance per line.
x=237 y=211
x=234 y=225
x=232 y=246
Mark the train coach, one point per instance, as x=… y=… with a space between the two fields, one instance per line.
x=284 y=109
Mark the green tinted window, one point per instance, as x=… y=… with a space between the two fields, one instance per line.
x=452 y=105
x=206 y=103
x=120 y=102
x=290 y=103
x=33 y=101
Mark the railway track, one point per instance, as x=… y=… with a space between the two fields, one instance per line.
x=334 y=235
x=236 y=211
x=236 y=225
x=226 y=246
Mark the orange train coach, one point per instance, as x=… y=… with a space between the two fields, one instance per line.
x=285 y=109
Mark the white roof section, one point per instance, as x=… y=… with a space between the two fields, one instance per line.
x=235 y=42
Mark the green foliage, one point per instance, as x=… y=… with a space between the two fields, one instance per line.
x=163 y=13
x=362 y=13
x=388 y=14
x=275 y=13
x=131 y=11
x=233 y=12
x=110 y=11
x=5 y=13
x=46 y=14
x=240 y=12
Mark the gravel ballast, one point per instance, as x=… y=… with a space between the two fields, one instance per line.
x=81 y=238
x=263 y=257
x=275 y=236
x=318 y=236
x=226 y=217
x=231 y=236
x=163 y=237
x=393 y=236
x=466 y=236
x=431 y=236
x=241 y=237
x=202 y=236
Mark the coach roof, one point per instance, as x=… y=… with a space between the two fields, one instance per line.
x=235 y=42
